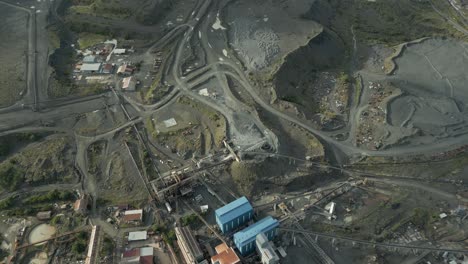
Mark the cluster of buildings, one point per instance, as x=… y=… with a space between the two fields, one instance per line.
x=193 y=254
x=230 y=218
x=253 y=238
x=80 y=207
x=235 y=220
x=91 y=64
x=97 y=62
x=124 y=215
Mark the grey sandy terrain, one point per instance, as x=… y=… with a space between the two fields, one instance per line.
x=14 y=35
x=267 y=32
x=427 y=101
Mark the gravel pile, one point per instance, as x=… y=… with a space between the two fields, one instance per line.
x=257 y=46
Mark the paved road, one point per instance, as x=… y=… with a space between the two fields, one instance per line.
x=19 y=119
x=200 y=22
x=454 y=24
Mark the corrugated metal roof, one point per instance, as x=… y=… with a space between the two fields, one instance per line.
x=131 y=212
x=248 y=234
x=146 y=251
x=138 y=235
x=233 y=209
x=91 y=67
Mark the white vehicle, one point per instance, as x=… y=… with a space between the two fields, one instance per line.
x=168 y=207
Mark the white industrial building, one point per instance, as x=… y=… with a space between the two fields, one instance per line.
x=119 y=51
x=90 y=67
x=266 y=250
x=137 y=236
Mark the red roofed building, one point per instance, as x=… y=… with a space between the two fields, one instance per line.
x=108 y=68
x=131 y=253
x=138 y=255
x=125 y=69
x=146 y=260
x=226 y=255
x=133 y=217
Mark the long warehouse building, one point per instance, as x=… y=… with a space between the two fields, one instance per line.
x=234 y=214
x=245 y=239
x=188 y=245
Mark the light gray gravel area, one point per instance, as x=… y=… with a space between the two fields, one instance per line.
x=263 y=32
x=432 y=108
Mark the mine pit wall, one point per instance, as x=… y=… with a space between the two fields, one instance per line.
x=390 y=64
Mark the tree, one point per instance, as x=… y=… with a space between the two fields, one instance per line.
x=79 y=247
x=189 y=219
x=420 y=217
x=82 y=236
x=7 y=203
x=11 y=176
x=3 y=253
x=4 y=148
x=169 y=236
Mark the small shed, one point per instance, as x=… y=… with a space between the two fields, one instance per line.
x=45 y=215
x=129 y=84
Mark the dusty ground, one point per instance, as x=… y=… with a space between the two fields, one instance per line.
x=120 y=181
x=46 y=161
x=99 y=121
x=424 y=103
x=198 y=131
x=14 y=35
x=267 y=30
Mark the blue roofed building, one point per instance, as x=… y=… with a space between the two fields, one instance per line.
x=234 y=214
x=245 y=239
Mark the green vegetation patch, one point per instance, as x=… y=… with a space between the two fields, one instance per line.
x=245 y=176
x=49 y=197
x=81 y=243
x=95 y=152
x=28 y=205
x=101 y=8
x=389 y=22
x=86 y=39
x=7 y=203
x=44 y=162
x=11 y=176
x=9 y=142
x=91 y=89
x=191 y=219
x=168 y=235
x=54 y=39
x=3 y=253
